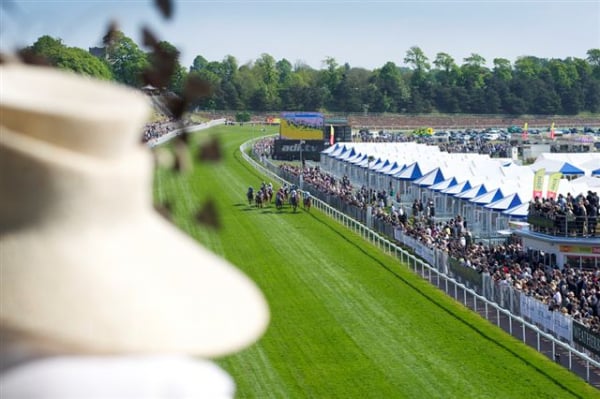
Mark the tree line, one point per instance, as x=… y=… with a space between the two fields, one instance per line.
x=531 y=85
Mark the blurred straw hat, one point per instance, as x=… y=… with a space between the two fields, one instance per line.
x=85 y=261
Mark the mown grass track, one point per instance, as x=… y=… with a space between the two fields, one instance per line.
x=346 y=320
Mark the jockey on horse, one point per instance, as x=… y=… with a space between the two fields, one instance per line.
x=286 y=191
x=250 y=195
x=306 y=202
x=294 y=199
x=269 y=192
x=279 y=199
x=259 y=198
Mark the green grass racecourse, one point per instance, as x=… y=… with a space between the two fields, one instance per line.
x=347 y=321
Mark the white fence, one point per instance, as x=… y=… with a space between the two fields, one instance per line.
x=515 y=325
x=189 y=129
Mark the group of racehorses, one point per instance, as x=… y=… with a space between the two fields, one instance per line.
x=286 y=194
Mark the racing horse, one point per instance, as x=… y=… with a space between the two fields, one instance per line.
x=268 y=194
x=294 y=200
x=279 y=200
x=259 y=199
x=250 y=195
x=307 y=201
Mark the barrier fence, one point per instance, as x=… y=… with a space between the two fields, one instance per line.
x=189 y=129
x=526 y=318
x=563 y=225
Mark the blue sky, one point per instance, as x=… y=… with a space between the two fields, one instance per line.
x=362 y=33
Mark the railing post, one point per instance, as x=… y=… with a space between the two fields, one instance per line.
x=587 y=370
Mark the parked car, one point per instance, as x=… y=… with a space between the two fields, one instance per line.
x=490 y=136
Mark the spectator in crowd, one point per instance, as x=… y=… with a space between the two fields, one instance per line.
x=154 y=130
x=565 y=216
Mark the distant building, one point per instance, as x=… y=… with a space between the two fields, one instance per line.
x=98 y=52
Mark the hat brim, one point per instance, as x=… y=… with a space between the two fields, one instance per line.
x=86 y=262
x=142 y=287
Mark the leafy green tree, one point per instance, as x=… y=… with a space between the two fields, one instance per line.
x=266 y=69
x=246 y=83
x=331 y=77
x=593 y=58
x=208 y=75
x=351 y=89
x=49 y=48
x=448 y=72
x=260 y=99
x=81 y=61
x=198 y=64
x=228 y=75
x=284 y=70
x=587 y=83
x=474 y=72
x=394 y=93
x=266 y=97
x=126 y=60
x=502 y=69
x=420 y=84
x=70 y=58
x=592 y=96
x=296 y=94
x=473 y=79
x=243 y=116
x=416 y=58
x=446 y=76
x=179 y=74
x=529 y=67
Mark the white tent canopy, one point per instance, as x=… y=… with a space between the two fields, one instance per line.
x=518 y=211
x=485 y=184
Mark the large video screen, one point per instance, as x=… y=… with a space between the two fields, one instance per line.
x=301 y=126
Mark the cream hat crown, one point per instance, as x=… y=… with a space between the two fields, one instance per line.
x=85 y=261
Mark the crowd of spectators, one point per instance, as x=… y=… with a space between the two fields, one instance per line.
x=565 y=215
x=264 y=147
x=573 y=292
x=154 y=130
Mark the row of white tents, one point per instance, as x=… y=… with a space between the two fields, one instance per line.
x=487 y=191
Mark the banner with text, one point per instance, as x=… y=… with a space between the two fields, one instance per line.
x=553 y=183
x=538 y=183
x=554 y=322
x=587 y=338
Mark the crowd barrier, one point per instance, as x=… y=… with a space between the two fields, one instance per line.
x=188 y=129
x=563 y=225
x=475 y=290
